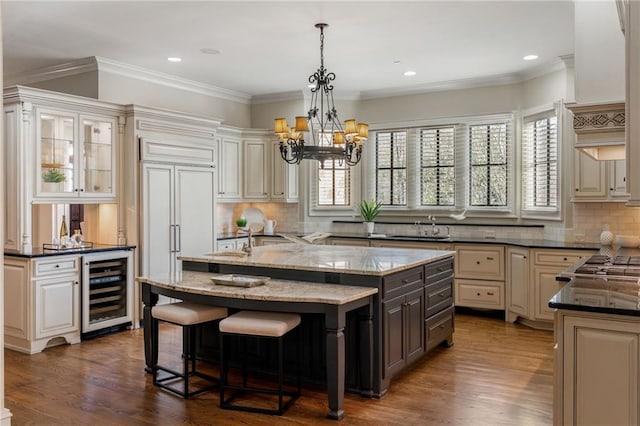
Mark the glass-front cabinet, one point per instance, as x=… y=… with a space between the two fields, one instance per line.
x=76 y=156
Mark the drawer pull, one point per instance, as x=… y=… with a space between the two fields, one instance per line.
x=489 y=258
x=478 y=262
x=443 y=294
x=57 y=266
x=489 y=293
x=478 y=294
x=565 y=259
x=442 y=325
x=405 y=281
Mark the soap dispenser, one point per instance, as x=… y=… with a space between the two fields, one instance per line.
x=606 y=237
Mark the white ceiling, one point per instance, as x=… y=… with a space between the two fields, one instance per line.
x=272 y=47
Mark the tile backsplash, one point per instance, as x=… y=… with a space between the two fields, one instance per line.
x=590 y=218
x=285 y=214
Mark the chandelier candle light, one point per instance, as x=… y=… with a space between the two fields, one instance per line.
x=346 y=143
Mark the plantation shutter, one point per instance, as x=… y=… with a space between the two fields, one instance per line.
x=540 y=162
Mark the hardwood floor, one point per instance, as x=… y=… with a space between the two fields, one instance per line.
x=495 y=374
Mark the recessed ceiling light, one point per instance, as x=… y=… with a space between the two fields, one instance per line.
x=174 y=59
x=409 y=73
x=530 y=57
x=210 y=51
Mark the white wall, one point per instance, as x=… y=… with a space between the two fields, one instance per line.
x=124 y=90
x=599 y=52
x=84 y=84
x=545 y=90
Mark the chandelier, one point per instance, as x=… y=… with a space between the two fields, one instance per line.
x=331 y=141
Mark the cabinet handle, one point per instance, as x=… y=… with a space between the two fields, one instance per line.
x=172 y=237
x=81 y=189
x=442 y=326
x=565 y=259
x=264 y=193
x=489 y=258
x=478 y=262
x=179 y=239
x=405 y=281
x=76 y=190
x=524 y=257
x=577 y=190
x=442 y=294
x=489 y=293
x=478 y=294
x=57 y=266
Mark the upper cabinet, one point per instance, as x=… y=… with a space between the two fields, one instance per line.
x=598 y=181
x=75 y=156
x=250 y=168
x=58 y=148
x=631 y=22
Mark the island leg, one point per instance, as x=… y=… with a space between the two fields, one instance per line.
x=149 y=299
x=334 y=328
x=365 y=315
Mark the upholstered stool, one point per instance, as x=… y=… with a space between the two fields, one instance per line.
x=187 y=315
x=268 y=325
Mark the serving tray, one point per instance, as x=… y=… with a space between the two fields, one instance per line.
x=236 y=280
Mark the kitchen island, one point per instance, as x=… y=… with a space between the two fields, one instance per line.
x=412 y=311
x=409 y=308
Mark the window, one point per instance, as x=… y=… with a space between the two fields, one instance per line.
x=540 y=162
x=488 y=160
x=437 y=166
x=334 y=179
x=391 y=168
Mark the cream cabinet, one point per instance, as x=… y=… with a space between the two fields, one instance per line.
x=547 y=263
x=284 y=177
x=76 y=156
x=479 y=276
x=268 y=241
x=597 y=369
x=42 y=302
x=517 y=283
x=358 y=242
x=231 y=244
x=58 y=149
x=412 y=244
x=230 y=168
x=257 y=173
x=599 y=181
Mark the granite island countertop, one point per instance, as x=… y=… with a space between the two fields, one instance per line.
x=273 y=290
x=378 y=261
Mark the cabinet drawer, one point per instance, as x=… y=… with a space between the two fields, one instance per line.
x=392 y=286
x=438 y=328
x=478 y=262
x=438 y=296
x=58 y=265
x=558 y=257
x=436 y=271
x=226 y=245
x=479 y=294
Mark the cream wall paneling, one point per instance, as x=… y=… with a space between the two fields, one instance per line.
x=23 y=109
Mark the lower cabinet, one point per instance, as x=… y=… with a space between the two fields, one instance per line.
x=403 y=329
x=41 y=302
x=417 y=309
x=57 y=305
x=597 y=367
x=231 y=244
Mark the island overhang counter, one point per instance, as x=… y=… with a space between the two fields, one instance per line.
x=408 y=311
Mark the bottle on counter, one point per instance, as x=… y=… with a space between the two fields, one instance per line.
x=64 y=234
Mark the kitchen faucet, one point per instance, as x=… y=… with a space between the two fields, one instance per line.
x=248 y=246
x=434 y=231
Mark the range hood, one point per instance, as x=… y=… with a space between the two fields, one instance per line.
x=599 y=129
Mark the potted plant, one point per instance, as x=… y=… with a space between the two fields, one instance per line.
x=52 y=179
x=369 y=210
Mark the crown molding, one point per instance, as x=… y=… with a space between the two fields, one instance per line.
x=295 y=95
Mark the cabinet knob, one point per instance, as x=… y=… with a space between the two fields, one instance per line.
x=76 y=282
x=76 y=190
x=565 y=259
x=81 y=189
x=577 y=190
x=478 y=262
x=478 y=294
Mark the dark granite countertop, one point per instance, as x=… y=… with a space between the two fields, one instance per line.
x=530 y=243
x=40 y=252
x=607 y=295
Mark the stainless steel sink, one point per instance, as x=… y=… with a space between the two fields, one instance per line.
x=423 y=237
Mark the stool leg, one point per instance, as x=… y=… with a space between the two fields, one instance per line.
x=243 y=349
x=192 y=347
x=223 y=370
x=185 y=359
x=280 y=373
x=299 y=360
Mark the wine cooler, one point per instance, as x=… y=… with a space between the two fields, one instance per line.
x=107 y=291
